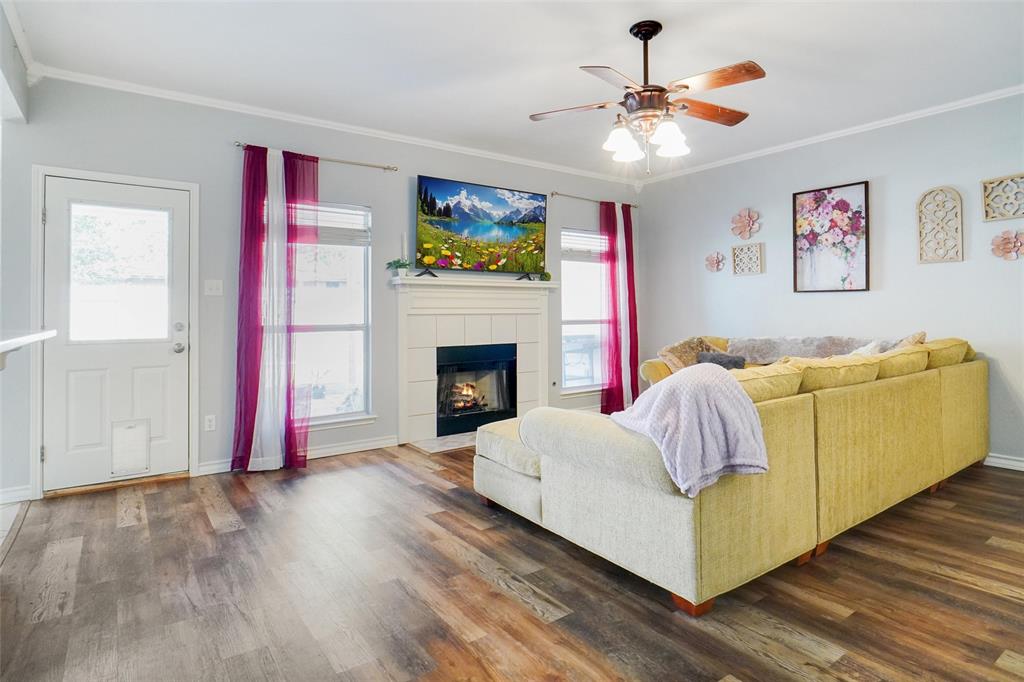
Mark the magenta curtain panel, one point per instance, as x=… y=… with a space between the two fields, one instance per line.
x=611 y=342
x=279 y=208
x=630 y=330
x=302 y=196
x=250 y=326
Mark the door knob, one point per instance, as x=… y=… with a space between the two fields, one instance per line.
x=179 y=348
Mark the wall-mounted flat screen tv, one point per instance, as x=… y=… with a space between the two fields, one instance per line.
x=465 y=226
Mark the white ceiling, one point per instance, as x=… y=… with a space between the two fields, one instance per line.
x=469 y=74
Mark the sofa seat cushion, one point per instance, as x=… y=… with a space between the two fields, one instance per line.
x=769 y=382
x=945 y=352
x=906 y=360
x=499 y=442
x=843 y=370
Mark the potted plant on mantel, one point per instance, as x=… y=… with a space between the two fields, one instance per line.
x=399 y=267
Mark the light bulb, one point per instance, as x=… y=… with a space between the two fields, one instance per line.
x=618 y=139
x=668 y=132
x=672 y=150
x=630 y=153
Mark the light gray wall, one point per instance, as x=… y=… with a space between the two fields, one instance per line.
x=980 y=299
x=83 y=127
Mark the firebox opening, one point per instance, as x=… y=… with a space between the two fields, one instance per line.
x=476 y=385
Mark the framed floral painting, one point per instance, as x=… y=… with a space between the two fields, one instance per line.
x=830 y=239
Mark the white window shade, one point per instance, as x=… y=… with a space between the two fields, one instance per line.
x=583 y=245
x=338 y=224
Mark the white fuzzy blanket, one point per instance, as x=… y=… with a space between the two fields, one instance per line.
x=704 y=424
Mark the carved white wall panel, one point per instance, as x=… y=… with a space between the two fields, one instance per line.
x=1003 y=197
x=748 y=259
x=940 y=226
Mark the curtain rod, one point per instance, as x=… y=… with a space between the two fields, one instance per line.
x=573 y=196
x=381 y=166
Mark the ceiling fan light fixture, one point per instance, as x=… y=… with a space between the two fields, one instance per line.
x=669 y=151
x=668 y=132
x=619 y=138
x=630 y=153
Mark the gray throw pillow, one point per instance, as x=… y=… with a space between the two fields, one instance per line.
x=722 y=359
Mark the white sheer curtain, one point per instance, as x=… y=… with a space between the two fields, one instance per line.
x=268 y=443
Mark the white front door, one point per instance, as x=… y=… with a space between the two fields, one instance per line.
x=115 y=378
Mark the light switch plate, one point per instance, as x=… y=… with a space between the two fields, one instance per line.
x=210 y=422
x=213 y=287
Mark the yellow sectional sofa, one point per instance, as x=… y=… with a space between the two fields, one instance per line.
x=843 y=445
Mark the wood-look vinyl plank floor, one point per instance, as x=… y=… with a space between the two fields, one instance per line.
x=382 y=566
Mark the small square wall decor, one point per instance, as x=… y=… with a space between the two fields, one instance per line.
x=1003 y=197
x=748 y=259
x=830 y=238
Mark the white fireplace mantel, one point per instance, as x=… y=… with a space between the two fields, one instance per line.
x=468 y=310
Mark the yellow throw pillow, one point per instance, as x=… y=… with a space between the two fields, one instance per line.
x=902 y=361
x=654 y=371
x=718 y=342
x=839 y=370
x=768 y=382
x=684 y=353
x=945 y=352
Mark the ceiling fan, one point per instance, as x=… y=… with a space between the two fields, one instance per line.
x=651 y=109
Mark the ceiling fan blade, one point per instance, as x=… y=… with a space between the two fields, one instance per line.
x=710 y=112
x=719 y=78
x=586 y=107
x=610 y=75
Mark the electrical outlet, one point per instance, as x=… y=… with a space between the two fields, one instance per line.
x=213 y=287
x=210 y=422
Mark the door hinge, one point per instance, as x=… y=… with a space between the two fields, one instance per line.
x=42 y=453
x=44 y=215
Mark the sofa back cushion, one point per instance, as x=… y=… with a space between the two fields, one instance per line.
x=901 y=361
x=844 y=370
x=945 y=352
x=769 y=382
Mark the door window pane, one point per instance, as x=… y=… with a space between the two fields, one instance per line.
x=330 y=284
x=581 y=355
x=329 y=369
x=119 y=266
x=583 y=287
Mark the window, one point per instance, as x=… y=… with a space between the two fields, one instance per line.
x=119 y=273
x=583 y=310
x=331 y=314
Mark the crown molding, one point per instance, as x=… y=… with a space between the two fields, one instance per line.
x=39 y=70
x=863 y=128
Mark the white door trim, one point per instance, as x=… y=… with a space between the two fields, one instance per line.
x=35 y=393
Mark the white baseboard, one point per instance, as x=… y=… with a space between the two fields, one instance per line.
x=218 y=466
x=1005 y=461
x=15 y=494
x=588 y=408
x=351 y=446
x=221 y=466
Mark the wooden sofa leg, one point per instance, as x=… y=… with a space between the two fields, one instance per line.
x=933 y=488
x=691 y=609
x=804 y=558
x=821 y=548
x=943 y=483
x=486 y=501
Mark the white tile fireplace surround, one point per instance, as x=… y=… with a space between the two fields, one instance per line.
x=467 y=310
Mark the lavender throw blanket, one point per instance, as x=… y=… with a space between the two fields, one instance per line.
x=703 y=423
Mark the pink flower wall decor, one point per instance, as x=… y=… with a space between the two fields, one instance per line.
x=744 y=223
x=1009 y=245
x=714 y=261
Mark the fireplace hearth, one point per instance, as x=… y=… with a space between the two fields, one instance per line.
x=476 y=385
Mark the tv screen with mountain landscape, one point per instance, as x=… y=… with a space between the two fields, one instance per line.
x=465 y=226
